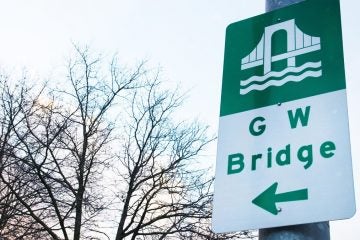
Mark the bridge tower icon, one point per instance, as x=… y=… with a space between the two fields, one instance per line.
x=298 y=43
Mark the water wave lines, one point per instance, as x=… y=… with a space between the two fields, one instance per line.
x=260 y=79
x=290 y=74
x=278 y=83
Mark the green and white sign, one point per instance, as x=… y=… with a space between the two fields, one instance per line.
x=283 y=147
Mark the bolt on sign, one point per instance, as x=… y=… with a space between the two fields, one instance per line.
x=283 y=147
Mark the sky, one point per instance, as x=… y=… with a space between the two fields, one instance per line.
x=185 y=38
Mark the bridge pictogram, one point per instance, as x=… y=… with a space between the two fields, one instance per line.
x=298 y=43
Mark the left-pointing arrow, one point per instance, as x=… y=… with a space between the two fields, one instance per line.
x=267 y=200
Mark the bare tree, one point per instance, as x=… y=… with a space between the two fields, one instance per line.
x=87 y=139
x=15 y=187
x=58 y=145
x=165 y=195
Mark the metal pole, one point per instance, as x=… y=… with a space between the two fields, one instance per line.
x=312 y=231
x=275 y=4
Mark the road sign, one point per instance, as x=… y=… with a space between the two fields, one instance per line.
x=283 y=147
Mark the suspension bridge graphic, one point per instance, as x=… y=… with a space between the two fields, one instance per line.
x=298 y=43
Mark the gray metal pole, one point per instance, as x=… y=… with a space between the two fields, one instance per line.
x=313 y=231
x=275 y=4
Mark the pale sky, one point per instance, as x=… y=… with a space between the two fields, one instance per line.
x=184 y=37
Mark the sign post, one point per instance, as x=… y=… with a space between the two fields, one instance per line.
x=318 y=230
x=283 y=147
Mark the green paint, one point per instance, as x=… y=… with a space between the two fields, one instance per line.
x=299 y=116
x=253 y=161
x=260 y=129
x=235 y=163
x=283 y=156
x=269 y=157
x=267 y=200
x=322 y=19
x=305 y=154
x=327 y=148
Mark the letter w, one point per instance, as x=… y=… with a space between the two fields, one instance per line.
x=299 y=115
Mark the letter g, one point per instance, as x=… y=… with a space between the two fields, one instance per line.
x=258 y=129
